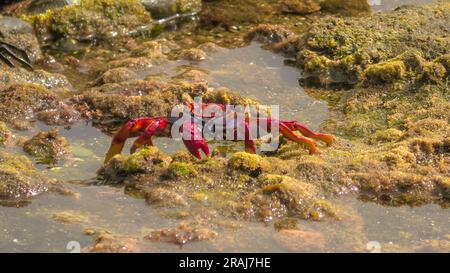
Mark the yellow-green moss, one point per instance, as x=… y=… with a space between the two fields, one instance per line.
x=71 y=217
x=388 y=135
x=145 y=158
x=181 y=170
x=5 y=133
x=318 y=64
x=348 y=7
x=445 y=61
x=249 y=163
x=432 y=72
x=386 y=72
x=322 y=43
x=377 y=43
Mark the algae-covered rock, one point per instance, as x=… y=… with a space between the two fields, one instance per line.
x=180 y=170
x=132 y=99
x=346 y=7
x=5 y=133
x=386 y=72
x=47 y=147
x=376 y=43
x=301 y=198
x=53 y=81
x=146 y=160
x=29 y=101
x=18 y=178
x=20 y=34
x=225 y=96
x=161 y=9
x=92 y=19
x=117 y=75
x=193 y=54
x=165 y=198
x=252 y=164
x=70 y=217
x=301 y=7
x=270 y=34
x=396 y=188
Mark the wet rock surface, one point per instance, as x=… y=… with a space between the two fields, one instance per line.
x=19 y=179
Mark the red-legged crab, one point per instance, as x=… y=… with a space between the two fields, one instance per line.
x=229 y=124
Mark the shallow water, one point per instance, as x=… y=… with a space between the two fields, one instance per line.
x=32 y=229
x=259 y=74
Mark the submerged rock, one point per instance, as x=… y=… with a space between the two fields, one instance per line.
x=70 y=217
x=289 y=196
x=182 y=234
x=47 y=147
x=301 y=241
x=107 y=242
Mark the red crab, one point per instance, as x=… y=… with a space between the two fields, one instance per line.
x=147 y=127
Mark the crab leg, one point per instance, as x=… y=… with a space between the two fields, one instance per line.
x=132 y=128
x=146 y=137
x=194 y=142
x=249 y=142
x=297 y=126
x=289 y=134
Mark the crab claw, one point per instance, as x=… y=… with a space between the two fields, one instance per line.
x=193 y=140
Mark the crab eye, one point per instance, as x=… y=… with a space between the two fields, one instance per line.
x=132 y=123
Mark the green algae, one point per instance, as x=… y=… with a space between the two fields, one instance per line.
x=252 y=164
x=180 y=170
